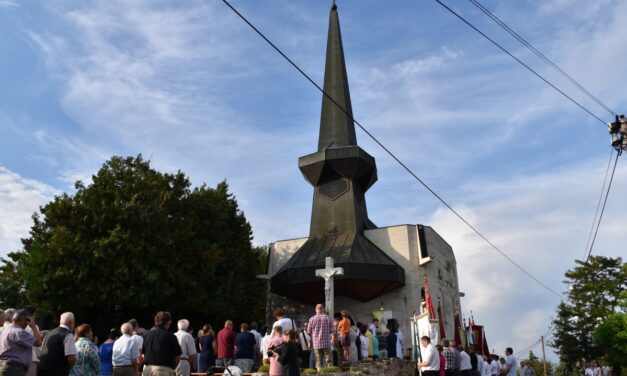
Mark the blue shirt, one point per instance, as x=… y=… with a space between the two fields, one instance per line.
x=245 y=344
x=124 y=351
x=511 y=361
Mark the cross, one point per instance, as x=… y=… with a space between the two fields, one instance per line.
x=328 y=273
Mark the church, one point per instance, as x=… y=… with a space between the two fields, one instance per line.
x=384 y=268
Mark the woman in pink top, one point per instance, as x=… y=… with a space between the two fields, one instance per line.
x=276 y=368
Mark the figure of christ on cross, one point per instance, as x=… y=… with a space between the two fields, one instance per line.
x=329 y=273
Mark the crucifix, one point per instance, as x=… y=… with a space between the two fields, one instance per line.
x=329 y=273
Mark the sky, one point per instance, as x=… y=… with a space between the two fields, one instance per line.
x=191 y=87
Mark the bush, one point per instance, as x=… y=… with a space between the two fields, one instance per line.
x=330 y=370
x=310 y=371
x=264 y=368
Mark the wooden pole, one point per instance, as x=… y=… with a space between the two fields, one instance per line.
x=543 y=356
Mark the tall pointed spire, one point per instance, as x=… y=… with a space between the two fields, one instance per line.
x=336 y=128
x=341 y=173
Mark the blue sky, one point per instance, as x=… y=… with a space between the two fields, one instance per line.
x=193 y=88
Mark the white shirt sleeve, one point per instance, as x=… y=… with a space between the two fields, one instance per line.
x=68 y=345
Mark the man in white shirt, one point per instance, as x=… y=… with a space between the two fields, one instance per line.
x=264 y=347
x=188 y=348
x=494 y=365
x=284 y=322
x=253 y=330
x=139 y=340
x=125 y=353
x=430 y=364
x=465 y=367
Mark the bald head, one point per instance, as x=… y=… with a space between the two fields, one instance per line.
x=126 y=328
x=319 y=308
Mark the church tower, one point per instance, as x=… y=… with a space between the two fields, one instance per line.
x=341 y=172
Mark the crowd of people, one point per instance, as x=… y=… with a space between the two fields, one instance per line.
x=450 y=359
x=285 y=346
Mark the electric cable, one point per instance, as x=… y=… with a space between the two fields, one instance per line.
x=520 y=62
x=609 y=186
x=403 y=165
x=524 y=42
x=607 y=171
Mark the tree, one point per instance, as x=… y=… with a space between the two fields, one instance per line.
x=534 y=362
x=594 y=289
x=611 y=335
x=135 y=241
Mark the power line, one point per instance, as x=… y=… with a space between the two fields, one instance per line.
x=607 y=171
x=609 y=186
x=392 y=154
x=522 y=40
x=520 y=62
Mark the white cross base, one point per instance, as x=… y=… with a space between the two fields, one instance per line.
x=329 y=273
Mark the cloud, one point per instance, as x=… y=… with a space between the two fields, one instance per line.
x=20 y=197
x=8 y=4
x=542 y=222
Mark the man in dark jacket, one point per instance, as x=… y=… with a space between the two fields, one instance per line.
x=161 y=350
x=58 y=353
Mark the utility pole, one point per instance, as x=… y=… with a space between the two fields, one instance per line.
x=543 y=356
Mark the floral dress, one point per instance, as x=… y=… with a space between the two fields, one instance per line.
x=87 y=361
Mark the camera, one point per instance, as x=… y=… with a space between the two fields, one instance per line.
x=275 y=349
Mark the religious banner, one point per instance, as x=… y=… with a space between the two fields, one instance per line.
x=427 y=327
x=428 y=301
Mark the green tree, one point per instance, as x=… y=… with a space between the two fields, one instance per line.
x=594 y=289
x=135 y=241
x=611 y=335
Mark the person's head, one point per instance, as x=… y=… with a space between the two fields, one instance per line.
x=278 y=330
x=278 y=313
x=386 y=332
x=494 y=357
x=67 y=319
x=344 y=314
x=439 y=347
x=445 y=342
x=182 y=325
x=289 y=335
x=126 y=328
x=425 y=340
x=471 y=349
x=228 y=324
x=375 y=321
x=163 y=319
x=363 y=329
x=207 y=329
x=509 y=351
x=319 y=309
x=22 y=318
x=134 y=324
x=243 y=327
x=84 y=330
x=502 y=360
x=253 y=326
x=114 y=334
x=460 y=348
x=8 y=313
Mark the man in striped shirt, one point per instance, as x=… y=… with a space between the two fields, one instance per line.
x=320 y=328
